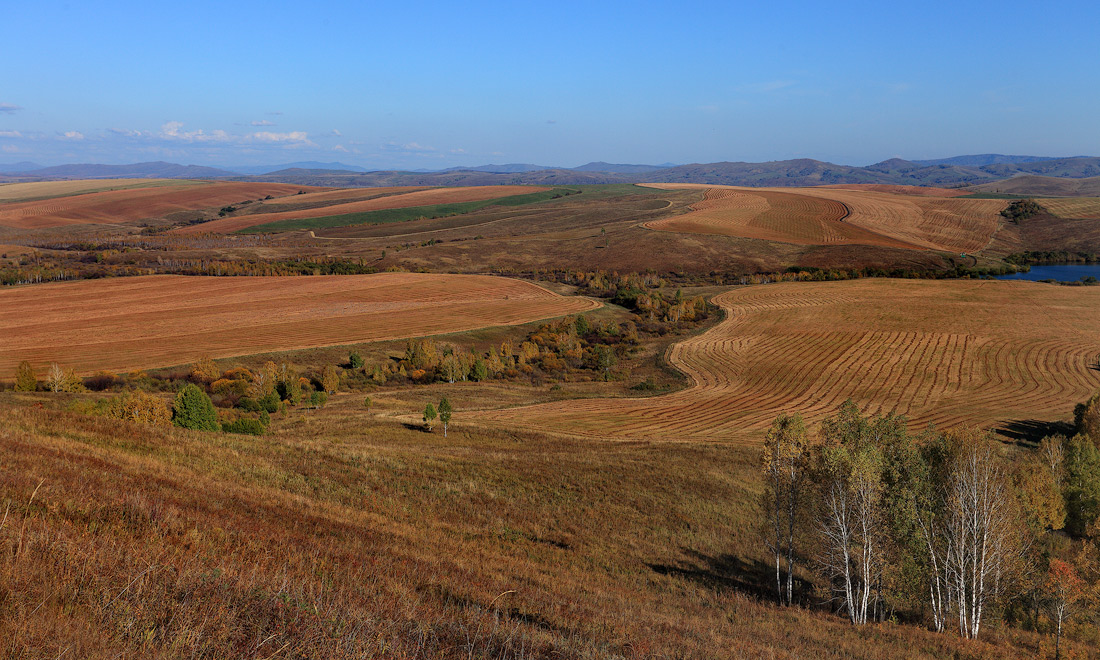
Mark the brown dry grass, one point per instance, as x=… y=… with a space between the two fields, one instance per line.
x=950 y=352
x=346 y=535
x=420 y=198
x=131 y=205
x=154 y=321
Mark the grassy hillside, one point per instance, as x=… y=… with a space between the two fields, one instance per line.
x=349 y=535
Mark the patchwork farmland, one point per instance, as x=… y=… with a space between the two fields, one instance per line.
x=58 y=204
x=144 y=322
x=948 y=352
x=381 y=199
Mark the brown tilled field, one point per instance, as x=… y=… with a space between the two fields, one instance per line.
x=951 y=352
x=839 y=216
x=155 y=321
x=394 y=201
x=132 y=204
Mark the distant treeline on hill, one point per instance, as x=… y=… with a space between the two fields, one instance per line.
x=1048 y=257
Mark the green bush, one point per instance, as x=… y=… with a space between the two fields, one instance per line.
x=248 y=404
x=193 y=409
x=269 y=402
x=245 y=425
x=355 y=360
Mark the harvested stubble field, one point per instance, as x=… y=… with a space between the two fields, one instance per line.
x=837 y=216
x=26 y=192
x=390 y=201
x=949 y=352
x=130 y=204
x=1078 y=207
x=154 y=321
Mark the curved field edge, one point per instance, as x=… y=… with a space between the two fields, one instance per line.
x=157 y=321
x=872 y=217
x=403 y=214
x=951 y=355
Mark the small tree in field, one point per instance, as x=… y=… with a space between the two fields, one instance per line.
x=429 y=416
x=192 y=409
x=60 y=380
x=1067 y=591
x=355 y=360
x=330 y=381
x=445 y=411
x=25 y=380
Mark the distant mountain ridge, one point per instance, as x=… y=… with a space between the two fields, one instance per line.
x=154 y=170
x=958 y=171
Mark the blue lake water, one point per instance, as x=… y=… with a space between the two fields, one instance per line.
x=1061 y=273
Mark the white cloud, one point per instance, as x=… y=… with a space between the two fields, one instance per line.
x=11 y=134
x=10 y=149
x=9 y=108
x=336 y=133
x=171 y=130
x=341 y=148
x=293 y=137
x=72 y=135
x=458 y=151
x=263 y=122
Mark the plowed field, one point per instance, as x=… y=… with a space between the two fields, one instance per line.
x=950 y=352
x=837 y=216
x=142 y=322
x=131 y=205
x=419 y=198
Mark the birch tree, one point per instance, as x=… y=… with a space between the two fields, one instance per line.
x=785 y=470
x=981 y=531
x=850 y=511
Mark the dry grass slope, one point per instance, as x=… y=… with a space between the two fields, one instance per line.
x=144 y=322
x=346 y=536
x=949 y=352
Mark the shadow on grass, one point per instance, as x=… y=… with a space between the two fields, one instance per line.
x=1033 y=430
x=753 y=577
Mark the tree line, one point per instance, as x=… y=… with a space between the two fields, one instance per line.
x=947 y=528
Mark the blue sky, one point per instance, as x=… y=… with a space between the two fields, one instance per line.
x=433 y=84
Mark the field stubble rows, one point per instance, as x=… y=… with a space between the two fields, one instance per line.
x=948 y=352
x=156 y=321
x=839 y=216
